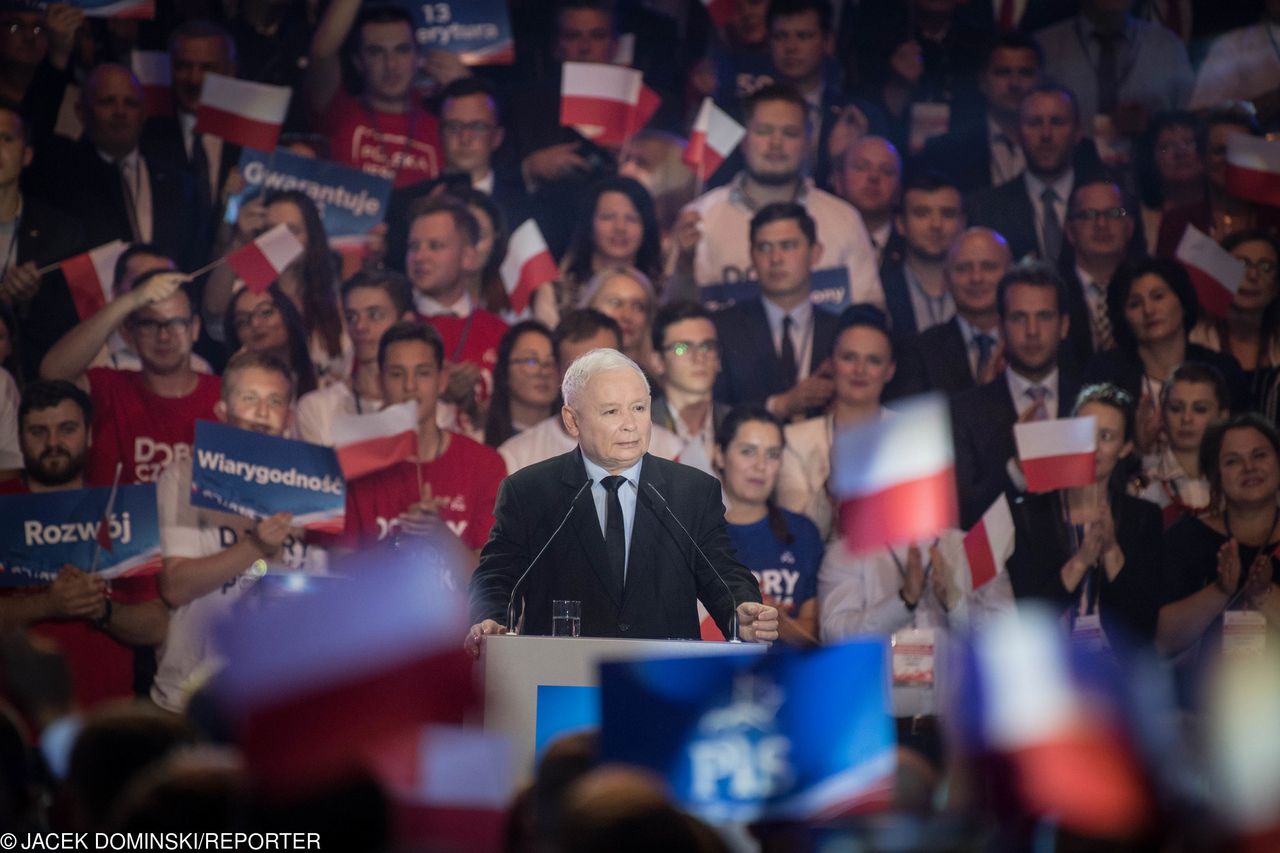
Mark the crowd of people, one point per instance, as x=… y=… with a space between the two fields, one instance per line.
x=980 y=199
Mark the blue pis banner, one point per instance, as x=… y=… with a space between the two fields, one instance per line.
x=350 y=201
x=41 y=532
x=479 y=31
x=788 y=736
x=828 y=289
x=256 y=475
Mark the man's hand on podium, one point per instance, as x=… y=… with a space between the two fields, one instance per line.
x=488 y=626
x=757 y=623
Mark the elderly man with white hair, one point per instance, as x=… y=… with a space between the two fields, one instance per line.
x=619 y=527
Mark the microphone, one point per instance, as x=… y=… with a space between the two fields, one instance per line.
x=511 y=602
x=733 y=621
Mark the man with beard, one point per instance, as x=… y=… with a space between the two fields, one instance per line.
x=96 y=625
x=1033 y=324
x=711 y=232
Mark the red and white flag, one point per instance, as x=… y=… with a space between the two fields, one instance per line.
x=606 y=103
x=155 y=73
x=715 y=135
x=720 y=11
x=1214 y=271
x=528 y=264
x=91 y=275
x=1057 y=454
x=368 y=443
x=1253 y=169
x=242 y=112
x=142 y=9
x=989 y=544
x=895 y=476
x=260 y=262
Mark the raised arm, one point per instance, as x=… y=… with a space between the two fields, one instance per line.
x=324 y=69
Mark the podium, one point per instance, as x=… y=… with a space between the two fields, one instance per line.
x=515 y=667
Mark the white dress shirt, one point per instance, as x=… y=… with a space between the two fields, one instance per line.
x=801 y=332
x=138 y=179
x=212 y=149
x=627 y=494
x=1062 y=189
x=429 y=307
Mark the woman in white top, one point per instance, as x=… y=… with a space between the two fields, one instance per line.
x=863 y=363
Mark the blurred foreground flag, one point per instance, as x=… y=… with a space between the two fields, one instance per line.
x=989 y=545
x=1253 y=169
x=1244 y=748
x=1057 y=454
x=742 y=737
x=715 y=135
x=895 y=476
x=261 y=261
x=155 y=72
x=1021 y=696
x=325 y=682
x=368 y=443
x=1214 y=271
x=528 y=265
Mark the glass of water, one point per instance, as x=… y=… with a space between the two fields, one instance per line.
x=566 y=618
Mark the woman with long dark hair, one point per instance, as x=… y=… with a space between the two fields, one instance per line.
x=525 y=382
x=485 y=283
x=269 y=322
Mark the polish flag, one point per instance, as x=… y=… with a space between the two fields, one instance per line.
x=155 y=73
x=259 y=263
x=368 y=443
x=1214 y=271
x=606 y=103
x=720 y=11
x=90 y=277
x=528 y=265
x=141 y=9
x=242 y=112
x=1057 y=454
x=895 y=476
x=715 y=135
x=990 y=543
x=1253 y=169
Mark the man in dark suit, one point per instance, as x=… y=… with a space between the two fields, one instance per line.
x=775 y=350
x=1030 y=209
x=621 y=555
x=196 y=48
x=106 y=181
x=1033 y=324
x=915 y=290
x=964 y=351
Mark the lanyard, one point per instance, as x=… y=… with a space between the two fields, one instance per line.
x=11 y=256
x=902 y=573
x=1262 y=549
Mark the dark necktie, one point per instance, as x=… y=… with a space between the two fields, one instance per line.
x=787 y=353
x=128 y=180
x=1052 y=227
x=200 y=169
x=1108 y=72
x=615 y=535
x=985 y=344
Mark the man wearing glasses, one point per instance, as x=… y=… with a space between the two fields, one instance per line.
x=686 y=362
x=1099 y=229
x=141 y=419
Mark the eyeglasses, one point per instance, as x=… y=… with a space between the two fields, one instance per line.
x=1091 y=214
x=16 y=27
x=152 y=328
x=457 y=128
x=533 y=365
x=262 y=312
x=683 y=348
x=1264 y=266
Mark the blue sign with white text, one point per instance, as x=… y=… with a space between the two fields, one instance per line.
x=256 y=475
x=350 y=201
x=479 y=31
x=42 y=532
x=794 y=735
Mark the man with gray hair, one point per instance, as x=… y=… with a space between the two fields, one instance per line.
x=628 y=552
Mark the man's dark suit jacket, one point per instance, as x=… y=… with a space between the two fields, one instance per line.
x=162 y=141
x=88 y=188
x=982 y=422
x=1124 y=369
x=47 y=235
x=897 y=299
x=942 y=359
x=1130 y=604
x=665 y=575
x=1007 y=210
x=750 y=371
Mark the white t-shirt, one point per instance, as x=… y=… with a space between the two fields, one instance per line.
x=547 y=439
x=187 y=657
x=317 y=409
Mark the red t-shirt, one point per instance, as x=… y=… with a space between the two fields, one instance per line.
x=101 y=667
x=474 y=339
x=404 y=147
x=467 y=473
x=142 y=429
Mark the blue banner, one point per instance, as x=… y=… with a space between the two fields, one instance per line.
x=41 y=532
x=351 y=201
x=741 y=738
x=829 y=290
x=248 y=473
x=479 y=31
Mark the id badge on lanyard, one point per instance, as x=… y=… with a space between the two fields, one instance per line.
x=1086 y=623
x=1244 y=635
x=913 y=656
